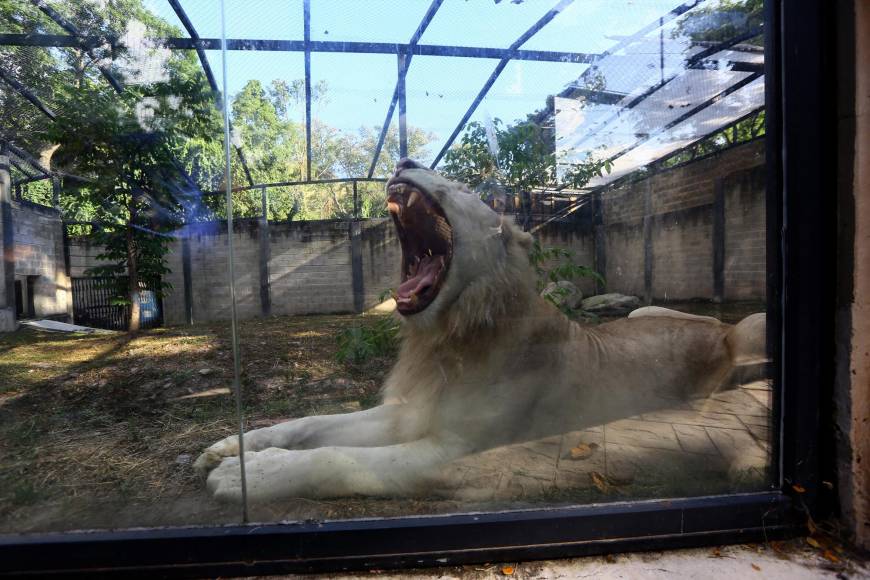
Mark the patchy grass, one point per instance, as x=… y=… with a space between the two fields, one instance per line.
x=99 y=431
x=100 y=420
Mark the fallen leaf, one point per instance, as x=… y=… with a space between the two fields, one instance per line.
x=829 y=555
x=799 y=488
x=814 y=543
x=828 y=484
x=756 y=567
x=716 y=553
x=582 y=451
x=811 y=525
x=610 y=559
x=507 y=570
x=599 y=482
x=778 y=546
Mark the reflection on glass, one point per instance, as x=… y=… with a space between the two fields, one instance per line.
x=559 y=301
x=110 y=139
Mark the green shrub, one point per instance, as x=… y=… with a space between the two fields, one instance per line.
x=360 y=343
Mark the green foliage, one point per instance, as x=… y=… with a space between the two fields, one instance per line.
x=124 y=154
x=554 y=264
x=361 y=343
x=723 y=20
x=524 y=159
x=743 y=131
x=269 y=125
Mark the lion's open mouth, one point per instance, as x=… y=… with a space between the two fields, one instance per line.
x=427 y=245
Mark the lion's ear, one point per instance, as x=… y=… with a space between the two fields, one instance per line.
x=525 y=240
x=510 y=231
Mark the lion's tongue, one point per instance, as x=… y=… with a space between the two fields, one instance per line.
x=427 y=272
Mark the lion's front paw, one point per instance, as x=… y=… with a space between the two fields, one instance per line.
x=225 y=481
x=214 y=455
x=271 y=474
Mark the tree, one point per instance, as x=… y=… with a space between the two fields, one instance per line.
x=722 y=21
x=520 y=158
x=354 y=158
x=269 y=124
x=129 y=150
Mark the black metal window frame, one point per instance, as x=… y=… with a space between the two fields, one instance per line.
x=800 y=136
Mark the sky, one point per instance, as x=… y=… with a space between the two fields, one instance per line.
x=439 y=90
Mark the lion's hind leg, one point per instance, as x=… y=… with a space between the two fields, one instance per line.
x=747 y=340
x=658 y=311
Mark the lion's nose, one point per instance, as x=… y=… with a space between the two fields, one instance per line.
x=406 y=163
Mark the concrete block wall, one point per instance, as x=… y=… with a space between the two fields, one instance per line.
x=83 y=255
x=655 y=239
x=381 y=258
x=745 y=234
x=310 y=267
x=657 y=233
x=39 y=252
x=682 y=253
x=624 y=272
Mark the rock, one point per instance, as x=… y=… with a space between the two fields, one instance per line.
x=184 y=459
x=563 y=293
x=612 y=304
x=205 y=372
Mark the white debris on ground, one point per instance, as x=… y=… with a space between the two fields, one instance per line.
x=724 y=562
x=55 y=326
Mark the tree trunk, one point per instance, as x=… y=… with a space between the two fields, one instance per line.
x=133 y=277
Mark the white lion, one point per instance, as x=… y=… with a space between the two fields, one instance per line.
x=484 y=361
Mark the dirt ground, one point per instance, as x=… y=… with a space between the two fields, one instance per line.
x=100 y=431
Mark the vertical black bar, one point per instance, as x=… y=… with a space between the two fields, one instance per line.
x=808 y=124
x=188 y=279
x=265 y=255
x=55 y=192
x=719 y=240
x=355 y=201
x=306 y=15
x=8 y=234
x=773 y=220
x=647 y=243
x=403 y=127
x=356 y=265
x=600 y=240
x=67 y=270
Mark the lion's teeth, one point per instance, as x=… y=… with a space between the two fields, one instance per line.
x=412 y=199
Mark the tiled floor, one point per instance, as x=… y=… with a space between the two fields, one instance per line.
x=705 y=445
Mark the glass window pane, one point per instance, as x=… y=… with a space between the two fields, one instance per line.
x=560 y=301
x=107 y=398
